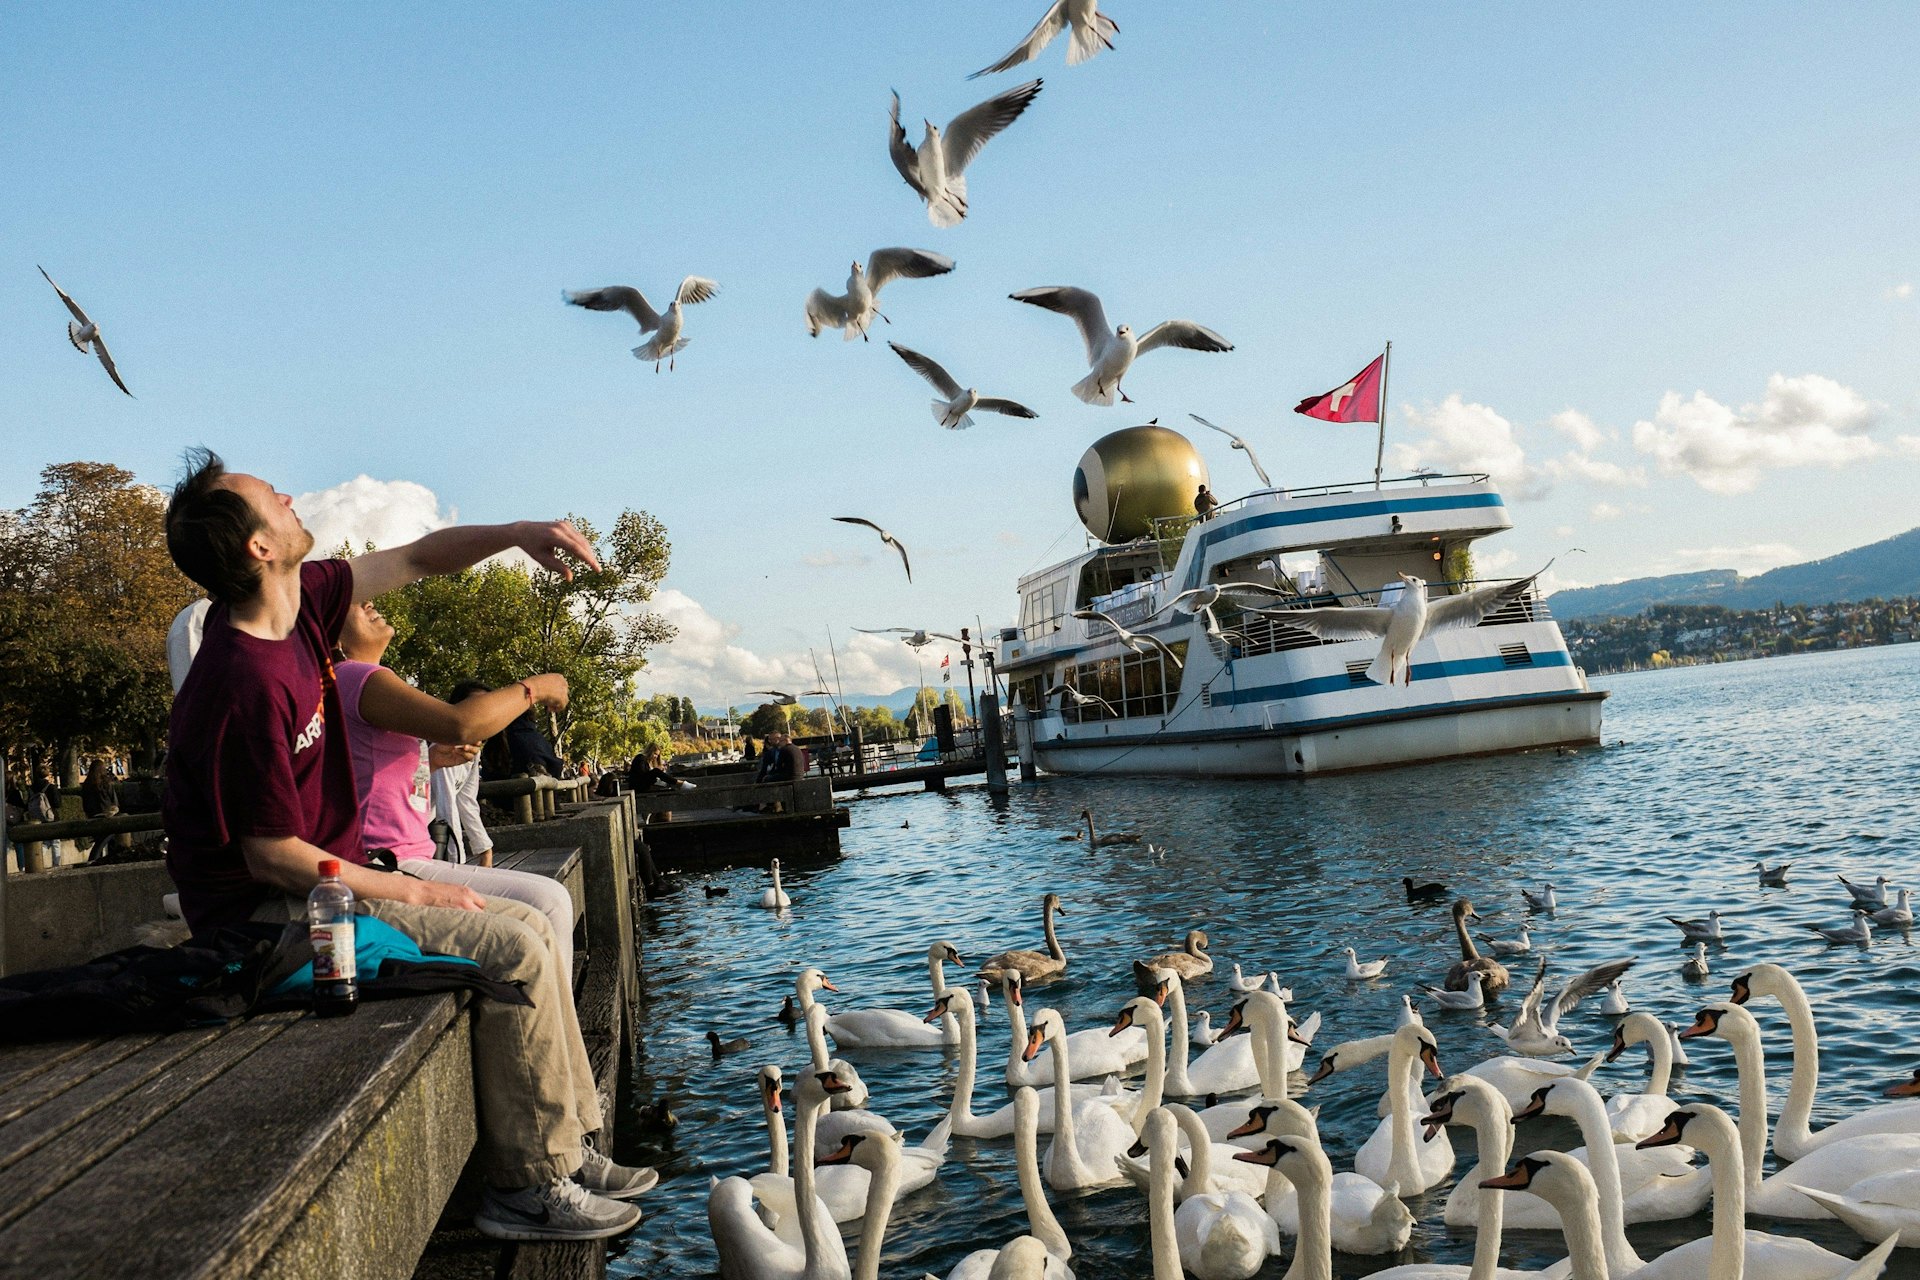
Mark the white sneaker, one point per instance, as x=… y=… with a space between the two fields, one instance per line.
x=560 y=1210
x=603 y=1177
x=685 y=785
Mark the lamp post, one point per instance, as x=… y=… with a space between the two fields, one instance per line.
x=966 y=660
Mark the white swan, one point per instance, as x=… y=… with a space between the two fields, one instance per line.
x=1088 y=1137
x=850 y=1115
x=880 y=1157
x=1306 y=1167
x=1877 y=1207
x=749 y=1249
x=1227 y=1066
x=1634 y=1116
x=1792 y=1136
x=1393 y=1152
x=1469 y=1100
x=1096 y=1051
x=1274 y=1039
x=1651 y=1185
x=1220 y=1235
x=896 y=1028
x=1363 y=1216
x=842 y=1188
x=1004 y=1121
x=1019 y=1257
x=1732 y=1252
x=1835 y=1167
x=775 y=899
x=1163 y=1244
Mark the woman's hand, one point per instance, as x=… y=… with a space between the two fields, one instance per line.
x=549 y=690
x=446 y=755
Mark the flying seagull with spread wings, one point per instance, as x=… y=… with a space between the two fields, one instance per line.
x=1111 y=352
x=1239 y=444
x=1133 y=640
x=855 y=309
x=885 y=537
x=84 y=334
x=1201 y=600
x=1092 y=32
x=914 y=638
x=938 y=170
x=1081 y=699
x=1406 y=623
x=952 y=412
x=665 y=327
x=779 y=699
x=1536 y=1032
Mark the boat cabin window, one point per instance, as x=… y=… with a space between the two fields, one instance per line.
x=1041 y=607
x=1129 y=685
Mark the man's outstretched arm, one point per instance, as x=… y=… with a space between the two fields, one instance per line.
x=451 y=550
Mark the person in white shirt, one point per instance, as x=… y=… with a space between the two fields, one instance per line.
x=183 y=639
x=456 y=800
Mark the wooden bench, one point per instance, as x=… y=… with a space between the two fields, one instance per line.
x=278 y=1145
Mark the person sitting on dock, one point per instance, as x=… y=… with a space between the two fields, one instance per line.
x=260 y=790
x=649 y=771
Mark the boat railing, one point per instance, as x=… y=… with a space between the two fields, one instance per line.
x=1266 y=630
x=1421 y=481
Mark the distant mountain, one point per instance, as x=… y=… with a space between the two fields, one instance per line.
x=1883 y=569
x=900 y=701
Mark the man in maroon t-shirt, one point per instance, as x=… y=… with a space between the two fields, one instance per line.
x=260 y=789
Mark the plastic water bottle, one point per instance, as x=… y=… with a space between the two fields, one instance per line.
x=336 y=990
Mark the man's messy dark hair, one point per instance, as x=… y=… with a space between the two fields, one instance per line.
x=208 y=528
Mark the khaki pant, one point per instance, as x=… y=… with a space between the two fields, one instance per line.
x=532 y=1084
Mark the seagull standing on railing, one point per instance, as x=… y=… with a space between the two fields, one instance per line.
x=1132 y=640
x=1410 y=620
x=1239 y=444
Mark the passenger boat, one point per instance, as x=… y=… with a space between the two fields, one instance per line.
x=1265 y=699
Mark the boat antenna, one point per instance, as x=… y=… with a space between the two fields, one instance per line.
x=831 y=653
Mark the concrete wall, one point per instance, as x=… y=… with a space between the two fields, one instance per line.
x=63 y=917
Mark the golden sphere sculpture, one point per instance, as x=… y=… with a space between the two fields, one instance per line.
x=1128 y=479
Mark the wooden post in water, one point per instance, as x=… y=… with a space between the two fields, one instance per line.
x=996 y=748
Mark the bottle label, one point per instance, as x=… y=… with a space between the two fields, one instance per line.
x=333 y=958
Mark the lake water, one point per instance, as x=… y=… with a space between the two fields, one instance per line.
x=1808 y=759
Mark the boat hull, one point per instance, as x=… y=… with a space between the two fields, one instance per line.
x=1386 y=739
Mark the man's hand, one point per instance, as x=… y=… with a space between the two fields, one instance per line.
x=431 y=893
x=545 y=540
x=549 y=690
x=445 y=755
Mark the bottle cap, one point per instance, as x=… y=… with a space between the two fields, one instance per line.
x=329 y=867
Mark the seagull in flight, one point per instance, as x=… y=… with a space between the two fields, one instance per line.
x=1110 y=351
x=1206 y=597
x=952 y=412
x=855 y=309
x=1092 y=32
x=779 y=699
x=1239 y=444
x=1536 y=1032
x=84 y=334
x=1410 y=620
x=1132 y=640
x=885 y=537
x=665 y=328
x=1081 y=699
x=938 y=170
x=915 y=639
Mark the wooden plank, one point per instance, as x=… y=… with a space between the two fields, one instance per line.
x=209 y=1187
x=20 y=1063
x=61 y=1076
x=176 y=1068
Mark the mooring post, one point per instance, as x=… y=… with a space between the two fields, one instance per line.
x=996 y=746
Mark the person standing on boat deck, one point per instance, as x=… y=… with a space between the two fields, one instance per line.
x=389 y=725
x=260 y=792
x=1204 y=502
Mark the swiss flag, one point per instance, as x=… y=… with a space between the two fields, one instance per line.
x=947 y=661
x=1357 y=401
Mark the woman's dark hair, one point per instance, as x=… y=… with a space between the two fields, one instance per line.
x=466 y=689
x=208 y=528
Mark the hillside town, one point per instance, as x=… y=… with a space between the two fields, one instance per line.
x=1670 y=635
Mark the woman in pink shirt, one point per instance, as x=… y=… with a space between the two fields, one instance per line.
x=399 y=735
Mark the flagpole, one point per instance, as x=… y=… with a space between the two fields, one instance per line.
x=1380 y=452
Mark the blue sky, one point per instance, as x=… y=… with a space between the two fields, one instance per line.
x=331 y=243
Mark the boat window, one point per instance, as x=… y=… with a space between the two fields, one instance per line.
x=1131 y=685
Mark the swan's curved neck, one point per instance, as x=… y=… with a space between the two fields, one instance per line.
x=1313 y=1255
x=1053 y=939
x=960 y=1114
x=1017 y=1026
x=1166 y=1249
x=1580 y=1224
x=1026 y=1162
x=776 y=878
x=1065 y=1138
x=1493 y=1135
x=1176 y=1073
x=1590 y=1113
x=1752 y=1066
x=1793 y=1135
x=1199 y=1179
x=873 y=1227
x=1270 y=1052
x=813 y=1237
x=816 y=1037
x=937 y=974
x=1153 y=1086
x=778 y=1161
x=1660 y=1049
x=1717 y=1137
x=1467 y=950
x=1403 y=1084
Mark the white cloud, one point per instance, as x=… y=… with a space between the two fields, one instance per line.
x=386 y=513
x=1606 y=511
x=1901 y=291
x=1462 y=436
x=1805 y=421
x=1909 y=445
x=1579 y=428
x=1746 y=561
x=706 y=663
x=1491 y=564
x=835 y=559
x=1579 y=466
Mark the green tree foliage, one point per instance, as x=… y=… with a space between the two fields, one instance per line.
x=87 y=592
x=768 y=717
x=498 y=622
